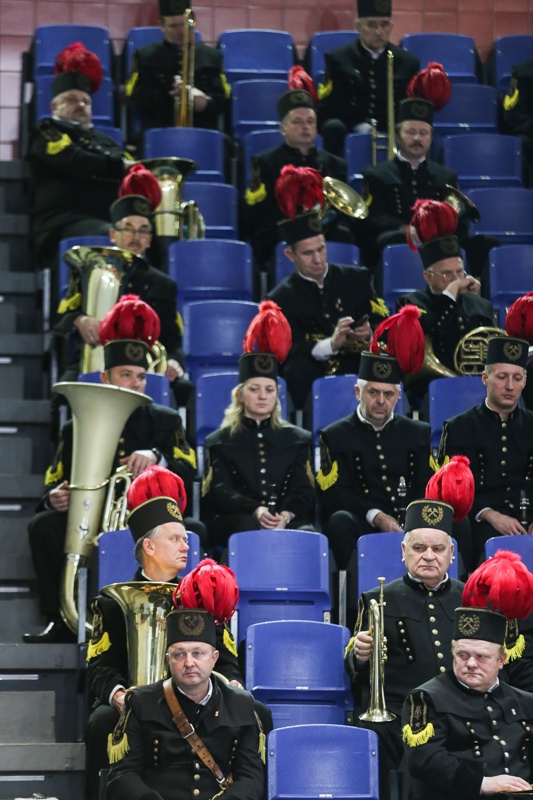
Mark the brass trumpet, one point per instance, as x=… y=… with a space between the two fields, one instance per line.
x=377 y=710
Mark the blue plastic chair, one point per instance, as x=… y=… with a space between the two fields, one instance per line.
x=508 y=51
x=73 y=241
x=282 y=574
x=257 y=142
x=157 y=386
x=297 y=669
x=451 y=396
x=523 y=545
x=114 y=133
x=455 y=52
x=333 y=398
x=103 y=108
x=117 y=564
x=402 y=273
x=484 y=159
x=253 y=105
x=211 y=269
x=510 y=271
x=218 y=204
x=338 y=253
x=506 y=213
x=471 y=109
x=50 y=40
x=213 y=334
x=256 y=53
x=379 y=555
x=323 y=42
x=205 y=147
x=358 y=154
x=135 y=38
x=307 y=762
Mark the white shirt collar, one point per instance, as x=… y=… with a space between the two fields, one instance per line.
x=363 y=419
x=307 y=278
x=206 y=699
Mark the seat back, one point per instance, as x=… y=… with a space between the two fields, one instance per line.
x=257 y=142
x=358 y=154
x=451 y=396
x=135 y=38
x=313 y=761
x=282 y=574
x=157 y=386
x=338 y=253
x=508 y=51
x=254 y=105
x=455 y=52
x=117 y=564
x=506 y=213
x=323 y=42
x=218 y=204
x=333 y=398
x=103 y=101
x=470 y=109
x=50 y=40
x=510 y=271
x=523 y=545
x=402 y=273
x=205 y=147
x=261 y=53
x=484 y=159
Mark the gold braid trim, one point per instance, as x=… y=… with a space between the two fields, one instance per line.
x=433 y=463
x=229 y=642
x=53 y=148
x=325 y=89
x=130 y=86
x=378 y=307
x=69 y=303
x=262 y=739
x=327 y=481
x=349 y=646
x=517 y=651
x=54 y=475
x=254 y=196
x=116 y=752
x=189 y=457
x=422 y=737
x=179 y=323
x=97 y=648
x=509 y=101
x=225 y=86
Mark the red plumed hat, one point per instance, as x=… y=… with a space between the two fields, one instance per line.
x=269 y=332
x=300 y=79
x=156 y=496
x=76 y=58
x=431 y=220
x=298 y=189
x=130 y=318
x=405 y=338
x=210 y=586
x=519 y=319
x=502 y=583
x=453 y=484
x=140 y=180
x=432 y=84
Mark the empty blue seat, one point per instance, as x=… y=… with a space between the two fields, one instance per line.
x=73 y=241
x=523 y=545
x=506 y=213
x=50 y=40
x=471 y=109
x=218 y=204
x=157 y=386
x=508 y=51
x=205 y=147
x=254 y=105
x=103 y=101
x=297 y=669
x=358 y=153
x=323 y=42
x=338 y=253
x=115 y=133
x=307 y=762
x=451 y=396
x=484 y=159
x=455 y=52
x=333 y=398
x=510 y=271
x=256 y=53
x=402 y=273
x=282 y=574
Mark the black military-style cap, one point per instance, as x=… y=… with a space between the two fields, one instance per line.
x=438 y=249
x=480 y=623
x=122 y=352
x=374 y=8
x=131 y=205
x=379 y=368
x=173 y=8
x=303 y=226
x=507 y=350
x=150 y=514
x=295 y=98
x=71 y=80
x=258 y=365
x=191 y=625
x=415 y=108
x=429 y=514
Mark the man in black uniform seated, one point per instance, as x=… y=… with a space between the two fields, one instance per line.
x=331 y=309
x=298 y=125
x=219 y=718
x=368 y=459
x=153 y=85
x=353 y=96
x=418 y=623
x=517 y=114
x=75 y=169
x=153 y=435
x=497 y=437
x=258 y=468
x=160 y=540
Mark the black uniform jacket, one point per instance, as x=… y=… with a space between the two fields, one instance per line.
x=245 y=469
x=76 y=173
x=500 y=453
x=155 y=67
x=456 y=736
x=447 y=320
x=360 y=468
x=418 y=627
x=355 y=84
x=107 y=654
x=517 y=114
x=156 y=762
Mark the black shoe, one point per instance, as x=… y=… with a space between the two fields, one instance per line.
x=56 y=632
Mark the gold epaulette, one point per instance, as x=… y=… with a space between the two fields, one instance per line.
x=225 y=86
x=377 y=306
x=419 y=730
x=179 y=323
x=349 y=646
x=130 y=85
x=99 y=647
x=69 y=303
x=54 y=473
x=329 y=470
x=325 y=89
x=55 y=147
x=511 y=98
x=117 y=742
x=517 y=650
x=229 y=642
x=254 y=196
x=189 y=456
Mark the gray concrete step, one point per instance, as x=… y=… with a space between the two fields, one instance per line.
x=16 y=563
x=16 y=489
x=27 y=717
x=11 y=381
x=19 y=612
x=59 y=757
x=15 y=452
x=66 y=785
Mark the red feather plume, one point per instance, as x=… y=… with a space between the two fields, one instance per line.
x=300 y=79
x=76 y=57
x=269 y=332
x=454 y=484
x=502 y=583
x=405 y=338
x=432 y=219
x=432 y=84
x=298 y=189
x=519 y=319
x=140 y=180
x=130 y=318
x=211 y=586
x=154 y=482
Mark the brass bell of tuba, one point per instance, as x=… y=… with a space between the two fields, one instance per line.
x=343 y=198
x=99 y=413
x=377 y=710
x=174 y=217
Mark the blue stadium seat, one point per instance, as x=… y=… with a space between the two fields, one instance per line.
x=508 y=51
x=256 y=53
x=213 y=334
x=358 y=154
x=510 y=271
x=218 y=204
x=523 y=545
x=451 y=396
x=338 y=253
x=282 y=574
x=307 y=762
x=484 y=159
x=157 y=386
x=73 y=241
x=323 y=42
x=211 y=269
x=333 y=398
x=253 y=105
x=402 y=273
x=506 y=213
x=257 y=142
x=117 y=564
x=455 y=52
x=297 y=669
x=114 y=133
x=103 y=101
x=471 y=109
x=50 y=40
x=135 y=38
x=205 y=147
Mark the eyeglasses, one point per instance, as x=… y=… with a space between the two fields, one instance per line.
x=144 y=230
x=448 y=274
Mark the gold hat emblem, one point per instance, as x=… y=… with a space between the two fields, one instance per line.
x=191 y=624
x=432 y=515
x=174 y=511
x=421 y=110
x=298 y=97
x=264 y=364
x=468 y=624
x=381 y=369
x=512 y=350
x=448 y=245
x=142 y=207
x=135 y=352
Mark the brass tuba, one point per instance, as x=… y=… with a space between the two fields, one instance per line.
x=377 y=710
x=390 y=143
x=99 y=414
x=184 y=101
x=174 y=217
x=343 y=198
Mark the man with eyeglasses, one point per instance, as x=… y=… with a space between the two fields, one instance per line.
x=353 y=96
